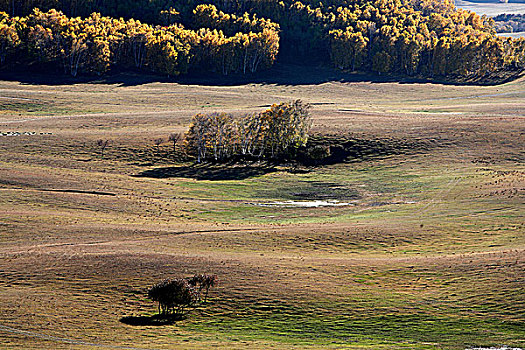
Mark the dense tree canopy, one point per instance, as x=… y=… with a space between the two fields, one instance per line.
x=412 y=37
x=94 y=44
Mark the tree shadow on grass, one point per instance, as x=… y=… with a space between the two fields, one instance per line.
x=348 y=149
x=281 y=74
x=285 y=74
x=155 y=320
x=208 y=172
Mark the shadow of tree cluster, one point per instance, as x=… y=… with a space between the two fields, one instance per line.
x=155 y=320
x=286 y=74
x=206 y=171
x=320 y=150
x=282 y=73
x=326 y=150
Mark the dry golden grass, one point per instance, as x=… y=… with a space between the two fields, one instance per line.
x=430 y=255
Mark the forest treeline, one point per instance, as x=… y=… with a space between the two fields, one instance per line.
x=223 y=43
x=429 y=38
x=509 y=23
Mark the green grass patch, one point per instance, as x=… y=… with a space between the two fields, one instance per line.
x=352 y=324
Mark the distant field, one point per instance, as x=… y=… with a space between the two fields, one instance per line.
x=492 y=8
x=514 y=35
x=429 y=253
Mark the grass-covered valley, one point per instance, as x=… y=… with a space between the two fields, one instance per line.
x=425 y=253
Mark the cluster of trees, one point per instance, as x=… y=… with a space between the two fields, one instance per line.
x=175 y=296
x=237 y=43
x=149 y=11
x=273 y=134
x=9 y=39
x=509 y=23
x=95 y=44
x=202 y=284
x=412 y=37
x=429 y=38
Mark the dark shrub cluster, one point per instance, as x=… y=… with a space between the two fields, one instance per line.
x=176 y=296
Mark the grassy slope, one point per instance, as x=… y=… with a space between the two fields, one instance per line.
x=430 y=255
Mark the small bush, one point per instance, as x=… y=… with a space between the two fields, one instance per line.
x=173 y=296
x=203 y=282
